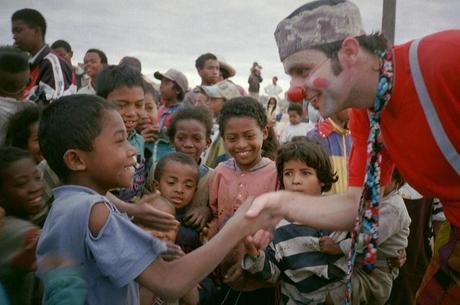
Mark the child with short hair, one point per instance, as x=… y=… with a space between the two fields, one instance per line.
x=296 y=127
x=190 y=133
x=14 y=77
x=176 y=178
x=21 y=190
x=146 y=297
x=84 y=140
x=23 y=131
x=293 y=257
x=124 y=87
x=243 y=128
x=217 y=95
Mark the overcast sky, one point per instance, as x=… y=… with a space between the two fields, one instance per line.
x=173 y=33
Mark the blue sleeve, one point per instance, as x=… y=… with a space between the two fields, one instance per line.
x=64 y=286
x=122 y=250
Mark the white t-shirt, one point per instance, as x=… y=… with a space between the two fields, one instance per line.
x=290 y=131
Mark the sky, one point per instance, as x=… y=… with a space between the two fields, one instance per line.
x=173 y=33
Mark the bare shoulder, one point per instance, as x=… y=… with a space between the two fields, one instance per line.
x=98 y=217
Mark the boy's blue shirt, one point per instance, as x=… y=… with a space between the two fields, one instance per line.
x=110 y=261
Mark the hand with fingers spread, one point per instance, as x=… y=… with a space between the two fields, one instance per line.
x=197 y=217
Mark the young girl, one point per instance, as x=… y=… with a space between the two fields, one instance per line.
x=190 y=133
x=21 y=191
x=243 y=127
x=293 y=256
x=91 y=154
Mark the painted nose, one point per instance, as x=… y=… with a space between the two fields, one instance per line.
x=296 y=94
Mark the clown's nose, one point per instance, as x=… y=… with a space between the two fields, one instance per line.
x=296 y=94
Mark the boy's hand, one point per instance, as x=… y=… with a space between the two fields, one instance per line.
x=234 y=274
x=150 y=217
x=172 y=252
x=260 y=239
x=211 y=229
x=197 y=217
x=250 y=248
x=150 y=132
x=267 y=209
x=328 y=245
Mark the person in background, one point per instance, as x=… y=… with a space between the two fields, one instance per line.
x=51 y=76
x=94 y=61
x=23 y=131
x=63 y=49
x=273 y=89
x=131 y=61
x=333 y=132
x=14 y=76
x=217 y=95
x=295 y=127
x=207 y=67
x=254 y=80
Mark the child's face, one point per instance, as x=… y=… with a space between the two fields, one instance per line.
x=22 y=188
x=25 y=37
x=210 y=72
x=190 y=138
x=32 y=143
x=299 y=177
x=294 y=117
x=61 y=52
x=130 y=104
x=215 y=105
x=111 y=162
x=167 y=89
x=178 y=183
x=150 y=108
x=243 y=139
x=201 y=99
x=92 y=63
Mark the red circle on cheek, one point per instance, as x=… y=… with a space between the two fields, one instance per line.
x=320 y=82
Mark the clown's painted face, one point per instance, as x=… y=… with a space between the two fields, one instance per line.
x=312 y=70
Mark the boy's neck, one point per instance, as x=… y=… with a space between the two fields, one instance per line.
x=82 y=180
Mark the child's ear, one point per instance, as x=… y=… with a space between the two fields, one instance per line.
x=208 y=141
x=156 y=185
x=74 y=161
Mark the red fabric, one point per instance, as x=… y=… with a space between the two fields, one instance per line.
x=405 y=130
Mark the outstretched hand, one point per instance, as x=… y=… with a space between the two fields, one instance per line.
x=270 y=205
x=145 y=214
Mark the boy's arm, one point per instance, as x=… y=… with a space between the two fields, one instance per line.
x=144 y=213
x=189 y=270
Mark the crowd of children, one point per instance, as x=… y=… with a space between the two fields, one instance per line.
x=125 y=194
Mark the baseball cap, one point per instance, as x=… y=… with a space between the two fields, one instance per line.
x=223 y=89
x=316 y=23
x=176 y=76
